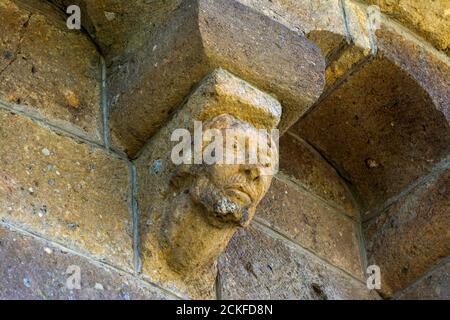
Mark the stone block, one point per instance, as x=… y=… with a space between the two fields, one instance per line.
x=303 y=164
x=428 y=18
x=199 y=37
x=412 y=235
x=434 y=286
x=313 y=225
x=66 y=191
x=32 y=269
x=119 y=27
x=257 y=266
x=428 y=67
x=381 y=130
x=303 y=16
x=359 y=26
x=48 y=70
x=358 y=51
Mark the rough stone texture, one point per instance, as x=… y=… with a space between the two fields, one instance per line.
x=356 y=51
x=321 y=20
x=429 y=68
x=428 y=18
x=219 y=93
x=304 y=165
x=13 y=26
x=359 y=27
x=328 y=42
x=66 y=191
x=257 y=266
x=343 y=66
x=31 y=269
x=380 y=130
x=313 y=225
x=385 y=128
x=434 y=286
x=303 y=16
x=119 y=27
x=48 y=70
x=412 y=235
x=201 y=36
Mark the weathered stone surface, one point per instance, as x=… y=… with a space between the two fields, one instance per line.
x=257 y=266
x=359 y=26
x=329 y=43
x=180 y=234
x=48 y=70
x=350 y=59
x=381 y=131
x=429 y=18
x=429 y=68
x=323 y=23
x=199 y=37
x=411 y=235
x=321 y=20
x=304 y=165
x=11 y=36
x=434 y=286
x=303 y=16
x=119 y=27
x=313 y=225
x=37 y=270
x=359 y=47
x=66 y=191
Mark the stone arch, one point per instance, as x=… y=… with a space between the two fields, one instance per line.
x=367 y=128
x=385 y=128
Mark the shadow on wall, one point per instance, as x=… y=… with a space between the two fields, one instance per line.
x=386 y=134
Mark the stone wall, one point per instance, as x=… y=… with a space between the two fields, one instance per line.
x=363 y=168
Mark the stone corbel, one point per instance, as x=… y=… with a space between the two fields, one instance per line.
x=188 y=213
x=193 y=208
x=199 y=37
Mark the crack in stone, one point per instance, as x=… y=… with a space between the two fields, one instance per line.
x=19 y=45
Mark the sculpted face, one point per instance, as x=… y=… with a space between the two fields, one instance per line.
x=230 y=193
x=212 y=200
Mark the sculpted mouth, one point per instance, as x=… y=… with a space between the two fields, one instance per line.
x=239 y=195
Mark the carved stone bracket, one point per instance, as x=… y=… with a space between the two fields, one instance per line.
x=199 y=37
x=191 y=210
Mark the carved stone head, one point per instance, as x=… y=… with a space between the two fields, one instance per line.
x=213 y=199
x=230 y=192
